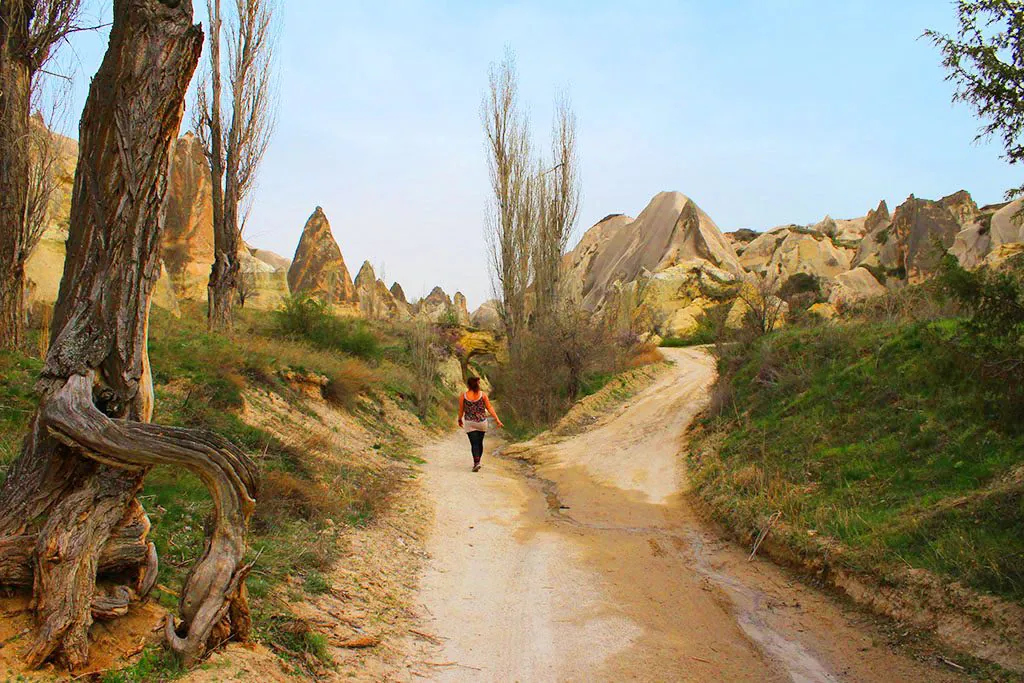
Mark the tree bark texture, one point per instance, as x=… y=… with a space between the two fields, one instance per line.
x=15 y=87
x=68 y=509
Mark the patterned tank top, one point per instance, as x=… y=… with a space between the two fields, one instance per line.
x=476 y=411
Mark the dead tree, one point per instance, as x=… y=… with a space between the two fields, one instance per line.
x=70 y=524
x=28 y=31
x=234 y=147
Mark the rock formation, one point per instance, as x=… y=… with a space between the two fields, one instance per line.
x=666 y=268
x=318 y=267
x=783 y=252
x=188 y=228
x=438 y=307
x=908 y=246
x=670 y=231
x=461 y=309
x=263 y=278
x=854 y=285
x=399 y=293
x=486 y=317
x=578 y=262
x=376 y=301
x=992 y=233
x=275 y=261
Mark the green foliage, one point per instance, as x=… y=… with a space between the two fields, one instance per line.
x=296 y=638
x=994 y=300
x=983 y=59
x=877 y=271
x=154 y=665
x=316 y=584
x=18 y=374
x=702 y=334
x=800 y=283
x=886 y=438
x=306 y=317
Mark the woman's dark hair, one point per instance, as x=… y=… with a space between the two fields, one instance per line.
x=473 y=383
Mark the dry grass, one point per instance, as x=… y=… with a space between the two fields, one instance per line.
x=648 y=354
x=283 y=493
x=350 y=379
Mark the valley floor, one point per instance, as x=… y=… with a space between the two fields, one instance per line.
x=580 y=558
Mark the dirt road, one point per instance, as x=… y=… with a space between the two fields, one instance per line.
x=589 y=565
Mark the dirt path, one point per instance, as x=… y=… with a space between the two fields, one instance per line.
x=588 y=564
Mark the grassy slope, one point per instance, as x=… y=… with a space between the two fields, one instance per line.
x=199 y=380
x=879 y=437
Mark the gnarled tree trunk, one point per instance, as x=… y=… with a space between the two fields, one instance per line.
x=15 y=86
x=68 y=511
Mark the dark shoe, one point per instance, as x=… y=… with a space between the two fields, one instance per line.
x=476 y=467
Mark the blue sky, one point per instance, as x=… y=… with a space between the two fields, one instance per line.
x=764 y=112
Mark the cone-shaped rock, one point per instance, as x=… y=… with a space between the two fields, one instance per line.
x=670 y=231
x=399 y=293
x=375 y=299
x=318 y=267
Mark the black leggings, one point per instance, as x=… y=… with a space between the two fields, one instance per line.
x=476 y=442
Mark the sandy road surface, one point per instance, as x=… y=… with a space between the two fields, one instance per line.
x=588 y=565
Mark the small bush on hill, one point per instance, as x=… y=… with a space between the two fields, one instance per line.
x=350 y=380
x=800 y=283
x=994 y=301
x=306 y=317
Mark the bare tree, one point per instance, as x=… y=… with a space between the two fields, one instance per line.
x=235 y=133
x=764 y=307
x=425 y=355
x=510 y=221
x=68 y=508
x=28 y=31
x=557 y=206
x=44 y=156
x=247 y=288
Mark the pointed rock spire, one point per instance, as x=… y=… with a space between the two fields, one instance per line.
x=318 y=266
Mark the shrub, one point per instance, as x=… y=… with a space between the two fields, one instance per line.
x=316 y=583
x=800 y=283
x=306 y=317
x=551 y=364
x=283 y=493
x=347 y=381
x=993 y=300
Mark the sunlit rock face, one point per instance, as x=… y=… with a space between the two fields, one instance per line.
x=318 y=267
x=188 y=227
x=671 y=230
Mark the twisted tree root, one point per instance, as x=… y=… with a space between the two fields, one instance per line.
x=215 y=585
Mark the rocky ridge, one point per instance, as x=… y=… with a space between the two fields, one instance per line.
x=671 y=264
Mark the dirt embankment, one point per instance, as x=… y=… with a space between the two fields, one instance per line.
x=578 y=557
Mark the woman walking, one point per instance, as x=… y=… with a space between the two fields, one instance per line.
x=473 y=409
